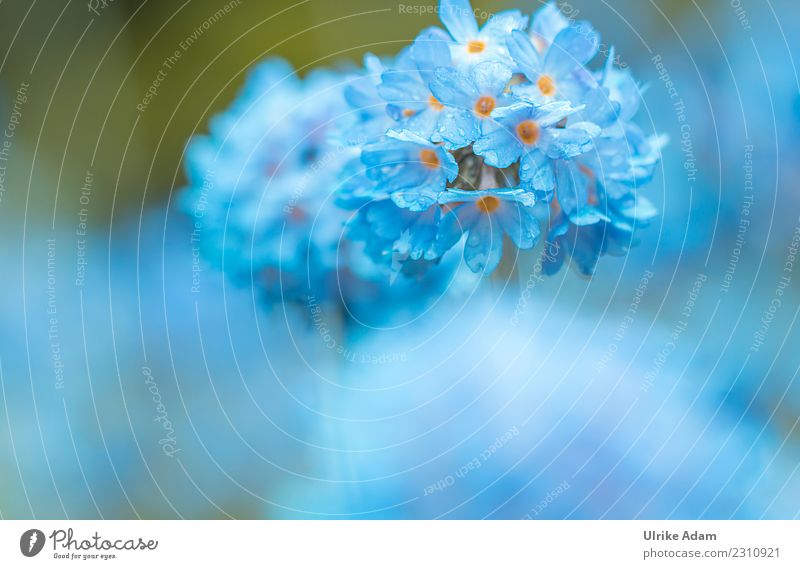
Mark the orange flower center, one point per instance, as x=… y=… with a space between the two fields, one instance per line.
x=476 y=46
x=429 y=158
x=528 y=132
x=408 y=113
x=484 y=106
x=546 y=85
x=435 y=104
x=487 y=204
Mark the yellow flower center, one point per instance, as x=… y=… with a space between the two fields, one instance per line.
x=546 y=85
x=476 y=46
x=429 y=158
x=435 y=104
x=484 y=106
x=528 y=132
x=487 y=204
x=408 y=113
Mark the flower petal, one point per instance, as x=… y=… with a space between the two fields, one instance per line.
x=491 y=77
x=498 y=146
x=417 y=199
x=573 y=47
x=431 y=50
x=571 y=141
x=484 y=247
x=587 y=215
x=453 y=88
x=459 y=19
x=524 y=55
x=548 y=21
x=503 y=23
x=536 y=171
x=403 y=88
x=458 y=128
x=519 y=223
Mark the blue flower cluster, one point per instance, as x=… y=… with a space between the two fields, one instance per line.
x=470 y=138
x=260 y=182
x=476 y=135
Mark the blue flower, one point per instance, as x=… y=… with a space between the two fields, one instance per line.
x=411 y=169
x=263 y=178
x=621 y=88
x=470 y=98
x=531 y=133
x=559 y=71
x=388 y=230
x=485 y=216
x=472 y=45
x=406 y=86
x=547 y=22
x=613 y=233
x=367 y=117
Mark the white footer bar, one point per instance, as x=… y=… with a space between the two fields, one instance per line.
x=388 y=544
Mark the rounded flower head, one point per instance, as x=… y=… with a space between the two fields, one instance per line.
x=494 y=118
x=498 y=114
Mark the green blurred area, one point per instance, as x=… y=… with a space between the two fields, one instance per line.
x=88 y=71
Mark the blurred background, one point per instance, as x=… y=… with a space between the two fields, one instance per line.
x=664 y=387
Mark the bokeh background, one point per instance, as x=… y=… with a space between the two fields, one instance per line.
x=664 y=387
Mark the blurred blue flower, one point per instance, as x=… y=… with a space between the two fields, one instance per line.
x=490 y=421
x=260 y=181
